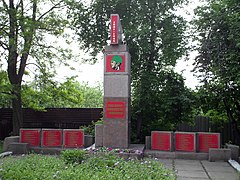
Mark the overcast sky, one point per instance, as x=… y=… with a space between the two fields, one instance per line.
x=94 y=73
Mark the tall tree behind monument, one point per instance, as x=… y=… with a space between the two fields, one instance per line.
x=155 y=37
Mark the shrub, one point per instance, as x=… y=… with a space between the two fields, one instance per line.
x=73 y=156
x=90 y=129
x=102 y=166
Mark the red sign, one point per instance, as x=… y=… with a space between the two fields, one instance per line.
x=115 y=62
x=73 y=138
x=51 y=137
x=114 y=28
x=161 y=141
x=31 y=136
x=185 y=142
x=115 y=109
x=208 y=140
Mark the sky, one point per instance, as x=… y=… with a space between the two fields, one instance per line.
x=94 y=73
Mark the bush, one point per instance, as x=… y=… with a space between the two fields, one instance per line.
x=102 y=166
x=73 y=156
x=90 y=129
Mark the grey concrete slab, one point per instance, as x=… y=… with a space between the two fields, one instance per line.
x=188 y=167
x=9 y=140
x=224 y=176
x=117 y=86
x=220 y=169
x=186 y=178
x=207 y=163
x=189 y=162
x=192 y=174
x=219 y=154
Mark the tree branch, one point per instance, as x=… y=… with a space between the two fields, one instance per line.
x=4 y=45
x=28 y=38
x=54 y=7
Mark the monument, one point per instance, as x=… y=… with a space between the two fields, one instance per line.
x=117 y=91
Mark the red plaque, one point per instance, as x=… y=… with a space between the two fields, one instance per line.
x=161 y=140
x=51 y=137
x=115 y=62
x=114 y=28
x=31 y=136
x=73 y=138
x=116 y=109
x=185 y=142
x=208 y=140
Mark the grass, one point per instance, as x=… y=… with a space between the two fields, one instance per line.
x=104 y=166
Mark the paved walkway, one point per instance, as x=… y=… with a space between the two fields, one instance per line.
x=201 y=170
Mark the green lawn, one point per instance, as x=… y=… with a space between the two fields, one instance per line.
x=98 y=167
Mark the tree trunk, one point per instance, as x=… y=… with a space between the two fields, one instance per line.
x=139 y=126
x=17 y=111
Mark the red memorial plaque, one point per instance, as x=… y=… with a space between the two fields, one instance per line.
x=51 y=137
x=31 y=136
x=115 y=62
x=208 y=140
x=115 y=109
x=161 y=140
x=73 y=138
x=185 y=142
x=114 y=28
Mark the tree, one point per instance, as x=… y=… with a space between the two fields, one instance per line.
x=217 y=31
x=5 y=87
x=68 y=94
x=26 y=28
x=155 y=37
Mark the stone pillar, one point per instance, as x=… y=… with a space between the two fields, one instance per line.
x=117 y=90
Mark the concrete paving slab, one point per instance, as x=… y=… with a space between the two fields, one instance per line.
x=187 y=167
x=220 y=163
x=190 y=162
x=192 y=174
x=223 y=176
x=186 y=178
x=220 y=169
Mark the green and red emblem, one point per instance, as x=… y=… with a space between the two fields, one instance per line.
x=115 y=63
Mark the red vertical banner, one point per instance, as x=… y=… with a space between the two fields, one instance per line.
x=208 y=140
x=114 y=28
x=161 y=141
x=115 y=110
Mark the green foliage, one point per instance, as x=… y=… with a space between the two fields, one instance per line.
x=217 y=30
x=5 y=90
x=47 y=93
x=90 y=129
x=73 y=156
x=95 y=167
